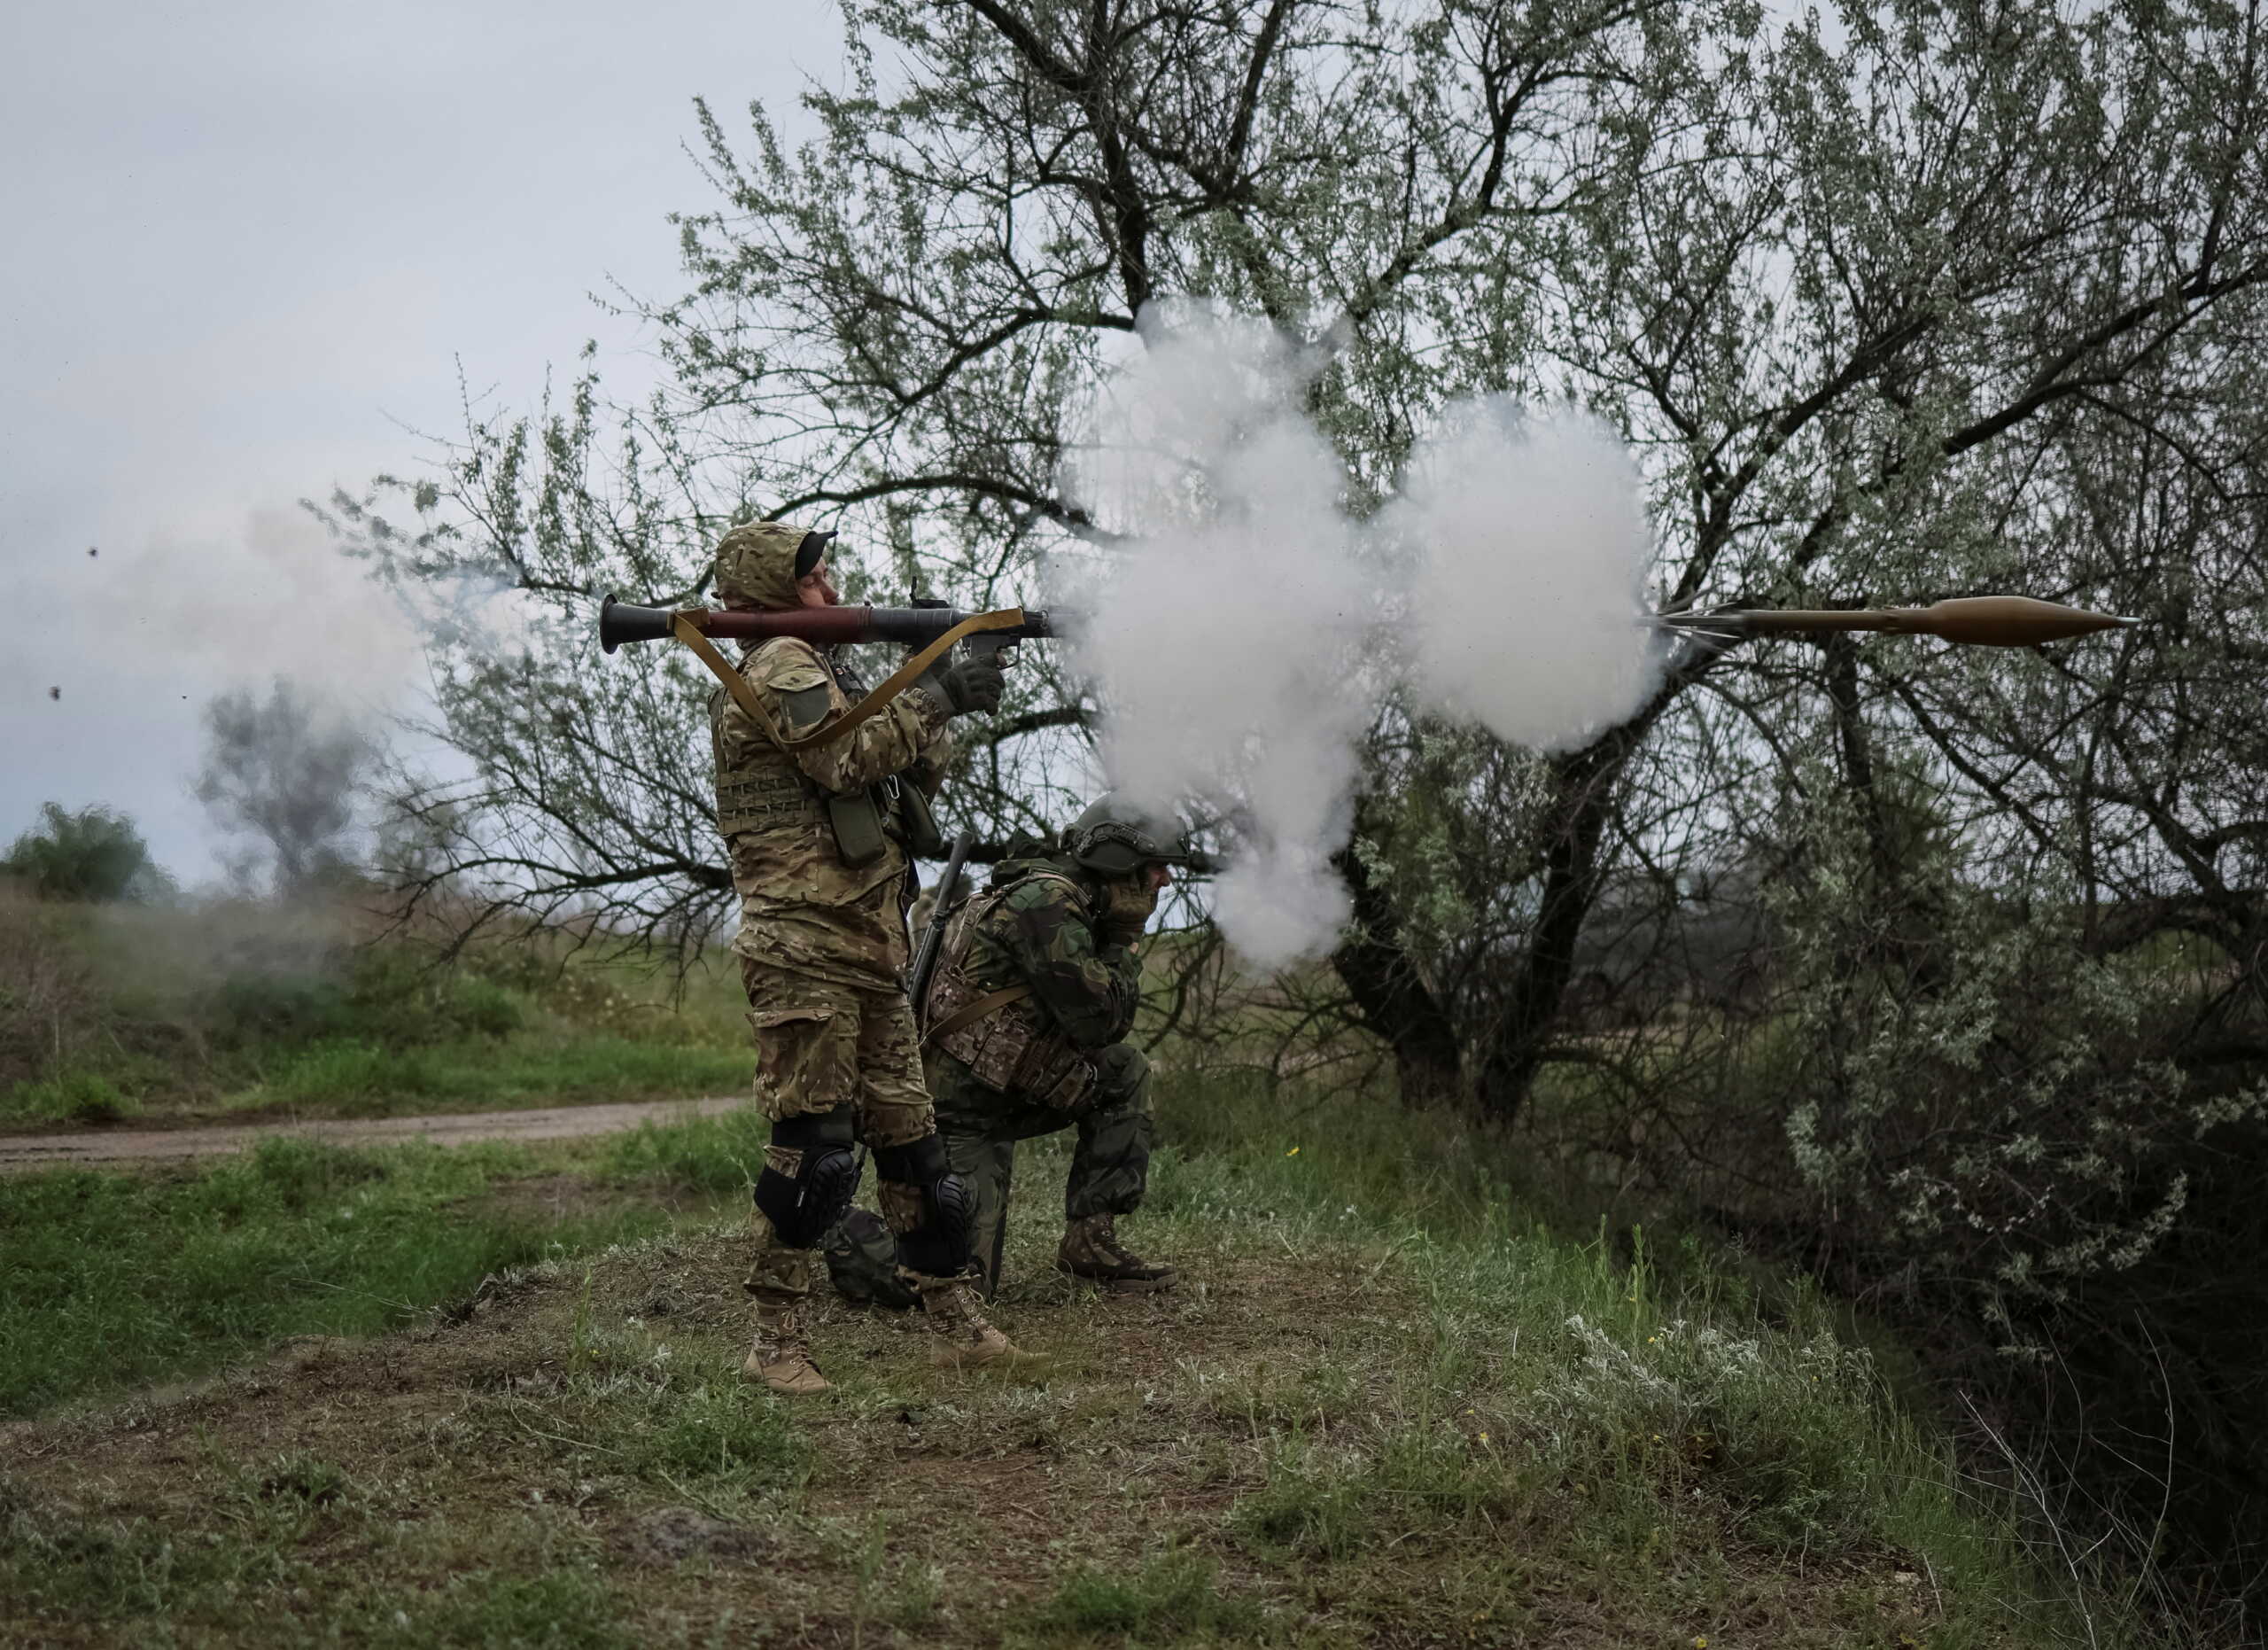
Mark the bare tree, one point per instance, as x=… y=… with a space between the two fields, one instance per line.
x=288 y=773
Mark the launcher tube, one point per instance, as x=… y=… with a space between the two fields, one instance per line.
x=621 y=621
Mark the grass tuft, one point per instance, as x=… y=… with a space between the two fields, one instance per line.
x=729 y=1432
x=563 y=1608
x=717 y=1155
x=1174 y=1597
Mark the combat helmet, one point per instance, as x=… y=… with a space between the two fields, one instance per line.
x=1114 y=839
x=757 y=562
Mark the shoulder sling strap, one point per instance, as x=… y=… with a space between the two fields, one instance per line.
x=899 y=681
x=969 y=1014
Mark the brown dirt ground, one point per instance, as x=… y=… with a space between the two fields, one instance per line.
x=941 y=1509
x=25 y=1152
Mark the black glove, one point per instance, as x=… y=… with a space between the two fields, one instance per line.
x=973 y=684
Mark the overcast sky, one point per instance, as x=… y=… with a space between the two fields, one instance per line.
x=246 y=244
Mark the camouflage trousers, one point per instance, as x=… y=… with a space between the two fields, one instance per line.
x=1110 y=1163
x=821 y=1045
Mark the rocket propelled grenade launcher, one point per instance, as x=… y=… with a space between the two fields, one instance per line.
x=910 y=627
x=1981 y=621
x=931 y=633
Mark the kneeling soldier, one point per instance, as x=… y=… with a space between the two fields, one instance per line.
x=1034 y=993
x=818 y=831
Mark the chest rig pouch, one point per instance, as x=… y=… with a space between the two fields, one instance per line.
x=1012 y=1048
x=864 y=822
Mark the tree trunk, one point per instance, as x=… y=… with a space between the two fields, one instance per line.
x=1395 y=1001
x=1858 y=753
x=1583 y=801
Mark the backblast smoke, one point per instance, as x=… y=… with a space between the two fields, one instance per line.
x=1246 y=630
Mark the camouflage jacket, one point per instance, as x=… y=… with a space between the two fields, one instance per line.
x=1034 y=925
x=801 y=906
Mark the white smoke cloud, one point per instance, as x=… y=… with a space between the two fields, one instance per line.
x=1232 y=501
x=1530 y=544
x=1244 y=631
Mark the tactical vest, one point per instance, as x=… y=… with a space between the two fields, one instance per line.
x=1014 y=1049
x=763 y=791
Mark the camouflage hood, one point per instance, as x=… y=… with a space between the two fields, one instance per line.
x=755 y=565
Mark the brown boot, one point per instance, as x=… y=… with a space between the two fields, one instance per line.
x=963 y=1338
x=783 y=1360
x=782 y=1356
x=781 y=1285
x=1090 y=1250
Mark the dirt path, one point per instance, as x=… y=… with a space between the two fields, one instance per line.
x=556 y=1123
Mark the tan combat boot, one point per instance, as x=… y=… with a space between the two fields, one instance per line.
x=963 y=1339
x=782 y=1356
x=780 y=1284
x=1090 y=1250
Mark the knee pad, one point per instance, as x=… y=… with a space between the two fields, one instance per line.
x=938 y=1241
x=802 y=1205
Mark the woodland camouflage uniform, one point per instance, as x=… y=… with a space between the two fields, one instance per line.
x=1055 y=1059
x=822 y=947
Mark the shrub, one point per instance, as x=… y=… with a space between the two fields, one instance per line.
x=95 y=854
x=49 y=1001
x=72 y=1097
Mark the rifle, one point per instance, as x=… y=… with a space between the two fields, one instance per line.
x=925 y=959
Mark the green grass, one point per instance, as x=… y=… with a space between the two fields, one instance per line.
x=552 y=1610
x=240 y=1010
x=1662 y=1406
x=1173 y=1598
x=1384 y=1405
x=144 y=1585
x=111 y=1280
x=76 y=1096
x=718 y=1155
x=351 y=1078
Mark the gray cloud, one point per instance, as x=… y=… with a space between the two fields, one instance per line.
x=249 y=244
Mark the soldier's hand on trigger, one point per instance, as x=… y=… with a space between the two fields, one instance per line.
x=973 y=684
